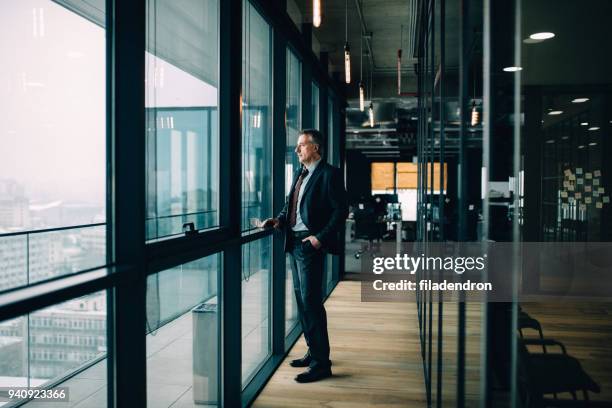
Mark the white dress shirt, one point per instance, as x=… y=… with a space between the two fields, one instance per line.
x=299 y=224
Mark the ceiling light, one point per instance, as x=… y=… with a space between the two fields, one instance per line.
x=513 y=69
x=581 y=147
x=565 y=137
x=347 y=63
x=347 y=50
x=316 y=13
x=550 y=141
x=594 y=128
x=361 y=86
x=593 y=144
x=584 y=123
x=361 y=96
x=371 y=114
x=475 y=115
x=580 y=100
x=399 y=71
x=399 y=63
x=557 y=112
x=542 y=36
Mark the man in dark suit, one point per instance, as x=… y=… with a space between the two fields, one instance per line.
x=312 y=220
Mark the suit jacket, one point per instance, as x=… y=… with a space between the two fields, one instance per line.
x=323 y=208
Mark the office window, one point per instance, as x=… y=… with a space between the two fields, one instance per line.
x=256 y=303
x=293 y=124
x=256 y=118
x=182 y=334
x=33 y=353
x=53 y=144
x=181 y=99
x=315 y=106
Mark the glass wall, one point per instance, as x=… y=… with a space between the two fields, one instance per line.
x=256 y=118
x=71 y=158
x=520 y=115
x=54 y=120
x=449 y=192
x=562 y=185
x=181 y=99
x=256 y=306
x=293 y=124
x=183 y=334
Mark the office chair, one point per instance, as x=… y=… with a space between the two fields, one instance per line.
x=367 y=226
x=553 y=373
x=527 y=322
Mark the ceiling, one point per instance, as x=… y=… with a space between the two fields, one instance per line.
x=386 y=25
x=383 y=19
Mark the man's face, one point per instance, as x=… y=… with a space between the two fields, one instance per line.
x=307 y=151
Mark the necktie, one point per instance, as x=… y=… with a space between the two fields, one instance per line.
x=295 y=196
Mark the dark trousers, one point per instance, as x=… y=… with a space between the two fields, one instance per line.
x=307 y=268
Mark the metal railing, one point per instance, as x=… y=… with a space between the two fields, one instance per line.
x=28 y=237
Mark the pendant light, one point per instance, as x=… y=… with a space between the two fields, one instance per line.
x=347 y=51
x=371 y=107
x=361 y=87
x=399 y=62
x=316 y=13
x=475 y=115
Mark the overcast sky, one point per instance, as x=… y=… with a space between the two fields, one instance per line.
x=52 y=109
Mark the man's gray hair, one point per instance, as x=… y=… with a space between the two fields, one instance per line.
x=317 y=138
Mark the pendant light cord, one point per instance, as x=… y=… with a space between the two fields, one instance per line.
x=361 y=60
x=346 y=21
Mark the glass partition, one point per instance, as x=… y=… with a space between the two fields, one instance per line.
x=181 y=100
x=293 y=124
x=315 y=106
x=256 y=118
x=183 y=334
x=256 y=306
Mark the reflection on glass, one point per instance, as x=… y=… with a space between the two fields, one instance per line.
x=293 y=115
x=291 y=310
x=182 y=334
x=315 y=106
x=331 y=132
x=53 y=143
x=256 y=298
x=293 y=122
x=182 y=140
x=565 y=176
x=256 y=117
x=49 y=345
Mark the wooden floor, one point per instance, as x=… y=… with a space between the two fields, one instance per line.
x=376 y=358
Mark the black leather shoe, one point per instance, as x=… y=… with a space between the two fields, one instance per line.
x=301 y=362
x=313 y=374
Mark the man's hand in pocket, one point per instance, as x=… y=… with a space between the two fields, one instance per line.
x=316 y=244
